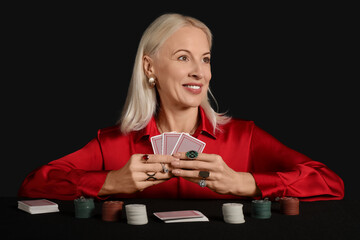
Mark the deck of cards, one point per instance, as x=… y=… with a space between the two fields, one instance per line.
x=169 y=143
x=181 y=216
x=38 y=206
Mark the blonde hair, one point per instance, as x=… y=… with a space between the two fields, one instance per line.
x=141 y=101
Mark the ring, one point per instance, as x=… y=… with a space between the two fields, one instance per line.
x=145 y=157
x=164 y=169
x=202 y=183
x=204 y=174
x=192 y=154
x=151 y=176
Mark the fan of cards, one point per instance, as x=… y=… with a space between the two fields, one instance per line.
x=169 y=143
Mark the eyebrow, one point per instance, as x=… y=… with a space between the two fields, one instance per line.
x=185 y=50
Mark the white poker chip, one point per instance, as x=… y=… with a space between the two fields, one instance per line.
x=233 y=213
x=136 y=214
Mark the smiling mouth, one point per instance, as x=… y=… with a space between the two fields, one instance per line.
x=191 y=86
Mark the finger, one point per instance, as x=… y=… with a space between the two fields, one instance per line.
x=156 y=158
x=195 y=165
x=154 y=167
x=153 y=176
x=209 y=184
x=188 y=174
x=201 y=156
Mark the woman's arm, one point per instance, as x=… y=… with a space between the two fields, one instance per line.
x=77 y=174
x=280 y=171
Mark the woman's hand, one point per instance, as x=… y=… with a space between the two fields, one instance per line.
x=138 y=174
x=222 y=178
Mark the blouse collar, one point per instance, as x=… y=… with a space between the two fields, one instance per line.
x=205 y=128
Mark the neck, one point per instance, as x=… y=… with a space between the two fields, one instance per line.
x=185 y=120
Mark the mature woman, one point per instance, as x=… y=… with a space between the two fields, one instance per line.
x=169 y=92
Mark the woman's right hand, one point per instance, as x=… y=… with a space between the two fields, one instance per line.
x=134 y=176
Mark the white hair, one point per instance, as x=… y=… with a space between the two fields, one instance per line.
x=142 y=101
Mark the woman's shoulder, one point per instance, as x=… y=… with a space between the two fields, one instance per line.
x=237 y=125
x=110 y=132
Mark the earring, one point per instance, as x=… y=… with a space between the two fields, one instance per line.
x=152 y=82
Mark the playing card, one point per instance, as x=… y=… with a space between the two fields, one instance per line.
x=156 y=143
x=169 y=141
x=186 y=143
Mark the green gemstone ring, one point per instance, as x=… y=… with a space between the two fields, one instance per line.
x=192 y=154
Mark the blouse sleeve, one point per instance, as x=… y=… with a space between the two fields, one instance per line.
x=77 y=174
x=280 y=171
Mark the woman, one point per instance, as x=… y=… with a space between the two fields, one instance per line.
x=169 y=92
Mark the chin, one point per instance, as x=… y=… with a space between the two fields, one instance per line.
x=192 y=104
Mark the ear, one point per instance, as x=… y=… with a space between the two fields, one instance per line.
x=148 y=66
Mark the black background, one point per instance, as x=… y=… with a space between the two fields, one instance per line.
x=291 y=69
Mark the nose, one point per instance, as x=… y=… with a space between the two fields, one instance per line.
x=196 y=72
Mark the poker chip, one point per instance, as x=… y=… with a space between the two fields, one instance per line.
x=261 y=209
x=84 y=207
x=289 y=206
x=136 y=214
x=112 y=211
x=233 y=213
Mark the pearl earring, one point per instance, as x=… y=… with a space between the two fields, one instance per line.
x=152 y=82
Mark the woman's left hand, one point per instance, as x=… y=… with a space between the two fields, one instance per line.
x=222 y=178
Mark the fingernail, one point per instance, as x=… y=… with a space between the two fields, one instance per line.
x=177 y=155
x=175 y=171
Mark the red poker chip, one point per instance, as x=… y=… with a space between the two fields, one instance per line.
x=112 y=210
x=289 y=206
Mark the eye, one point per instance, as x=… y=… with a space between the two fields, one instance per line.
x=183 y=58
x=206 y=60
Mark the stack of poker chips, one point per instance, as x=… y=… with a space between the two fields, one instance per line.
x=136 y=214
x=261 y=209
x=289 y=206
x=112 y=210
x=233 y=213
x=84 y=207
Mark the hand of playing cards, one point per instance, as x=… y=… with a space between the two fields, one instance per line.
x=169 y=143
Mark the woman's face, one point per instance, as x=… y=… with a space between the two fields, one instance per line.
x=182 y=68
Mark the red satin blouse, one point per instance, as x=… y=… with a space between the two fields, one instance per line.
x=278 y=170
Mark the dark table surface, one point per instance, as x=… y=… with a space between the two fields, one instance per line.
x=317 y=220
